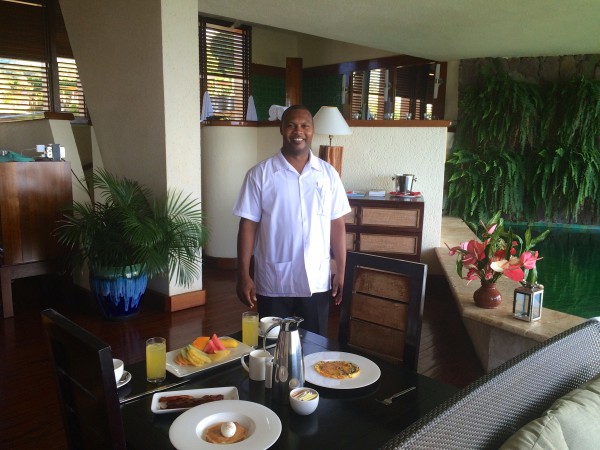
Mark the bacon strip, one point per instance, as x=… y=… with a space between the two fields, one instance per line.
x=186 y=401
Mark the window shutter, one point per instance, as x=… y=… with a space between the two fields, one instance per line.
x=71 y=91
x=377 y=93
x=23 y=87
x=25 y=61
x=225 y=68
x=23 y=31
x=357 y=92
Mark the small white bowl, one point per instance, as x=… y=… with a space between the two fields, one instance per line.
x=119 y=368
x=303 y=407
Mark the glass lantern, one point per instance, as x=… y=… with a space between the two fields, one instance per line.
x=527 y=304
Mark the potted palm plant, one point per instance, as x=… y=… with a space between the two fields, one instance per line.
x=126 y=235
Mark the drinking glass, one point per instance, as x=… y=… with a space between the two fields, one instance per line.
x=156 y=359
x=250 y=328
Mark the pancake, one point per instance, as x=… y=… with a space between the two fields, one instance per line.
x=337 y=369
x=214 y=436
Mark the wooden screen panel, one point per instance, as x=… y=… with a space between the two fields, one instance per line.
x=390 y=217
x=383 y=312
x=377 y=339
x=382 y=284
x=387 y=243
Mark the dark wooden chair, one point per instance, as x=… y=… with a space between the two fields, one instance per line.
x=382 y=307
x=86 y=385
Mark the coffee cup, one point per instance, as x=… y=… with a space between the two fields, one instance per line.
x=256 y=364
x=266 y=323
x=119 y=368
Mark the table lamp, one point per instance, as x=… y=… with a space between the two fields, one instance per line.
x=330 y=121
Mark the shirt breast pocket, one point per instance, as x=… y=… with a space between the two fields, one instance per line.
x=323 y=200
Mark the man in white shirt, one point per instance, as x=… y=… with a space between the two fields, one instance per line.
x=291 y=208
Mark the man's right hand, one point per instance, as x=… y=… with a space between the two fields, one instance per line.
x=246 y=291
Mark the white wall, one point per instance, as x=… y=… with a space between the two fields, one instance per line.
x=372 y=156
x=138 y=62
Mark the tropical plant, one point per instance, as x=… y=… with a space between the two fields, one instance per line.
x=496 y=252
x=577 y=113
x=564 y=179
x=127 y=226
x=482 y=181
x=501 y=112
x=553 y=132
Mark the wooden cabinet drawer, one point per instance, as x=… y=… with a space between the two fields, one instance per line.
x=386 y=243
x=390 y=217
x=383 y=341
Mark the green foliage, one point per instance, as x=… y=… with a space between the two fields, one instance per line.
x=531 y=151
x=485 y=181
x=501 y=112
x=127 y=226
x=564 y=179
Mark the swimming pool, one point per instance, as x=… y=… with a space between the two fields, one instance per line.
x=570 y=270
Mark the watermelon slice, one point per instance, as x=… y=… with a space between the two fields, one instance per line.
x=215 y=340
x=210 y=348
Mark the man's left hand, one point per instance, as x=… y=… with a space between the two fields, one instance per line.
x=337 y=288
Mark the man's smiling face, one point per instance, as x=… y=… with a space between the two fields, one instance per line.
x=297 y=131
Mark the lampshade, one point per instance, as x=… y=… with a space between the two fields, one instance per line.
x=329 y=120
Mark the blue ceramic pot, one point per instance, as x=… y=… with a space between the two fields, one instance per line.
x=118 y=290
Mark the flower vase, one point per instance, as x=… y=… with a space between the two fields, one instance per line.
x=487 y=296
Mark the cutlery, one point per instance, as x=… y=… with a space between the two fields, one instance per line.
x=388 y=401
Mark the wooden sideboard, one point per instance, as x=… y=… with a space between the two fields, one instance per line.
x=388 y=226
x=32 y=195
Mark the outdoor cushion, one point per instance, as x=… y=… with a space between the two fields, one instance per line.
x=572 y=422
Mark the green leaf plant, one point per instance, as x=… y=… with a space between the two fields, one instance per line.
x=126 y=225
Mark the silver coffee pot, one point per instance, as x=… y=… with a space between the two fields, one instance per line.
x=288 y=361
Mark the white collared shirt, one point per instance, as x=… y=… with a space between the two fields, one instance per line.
x=294 y=211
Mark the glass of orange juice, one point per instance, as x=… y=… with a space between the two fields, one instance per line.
x=250 y=328
x=156 y=359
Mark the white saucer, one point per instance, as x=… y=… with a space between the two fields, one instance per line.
x=126 y=378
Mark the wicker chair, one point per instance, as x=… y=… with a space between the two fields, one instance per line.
x=486 y=413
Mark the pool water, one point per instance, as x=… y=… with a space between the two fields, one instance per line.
x=570 y=270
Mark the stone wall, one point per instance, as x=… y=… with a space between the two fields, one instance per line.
x=542 y=69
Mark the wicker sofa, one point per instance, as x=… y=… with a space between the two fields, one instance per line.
x=486 y=413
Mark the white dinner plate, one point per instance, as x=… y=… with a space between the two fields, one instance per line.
x=183 y=371
x=229 y=393
x=369 y=371
x=262 y=424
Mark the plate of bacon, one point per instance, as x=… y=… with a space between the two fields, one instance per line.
x=173 y=401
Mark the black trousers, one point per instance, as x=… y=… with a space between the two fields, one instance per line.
x=314 y=310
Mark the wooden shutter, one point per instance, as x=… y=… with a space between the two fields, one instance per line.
x=376 y=93
x=356 y=94
x=225 y=67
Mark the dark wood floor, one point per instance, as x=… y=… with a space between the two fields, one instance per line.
x=29 y=414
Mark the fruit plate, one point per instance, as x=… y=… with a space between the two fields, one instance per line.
x=184 y=371
x=229 y=393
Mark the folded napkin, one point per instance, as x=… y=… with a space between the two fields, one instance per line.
x=207 y=109
x=251 y=112
x=276 y=111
